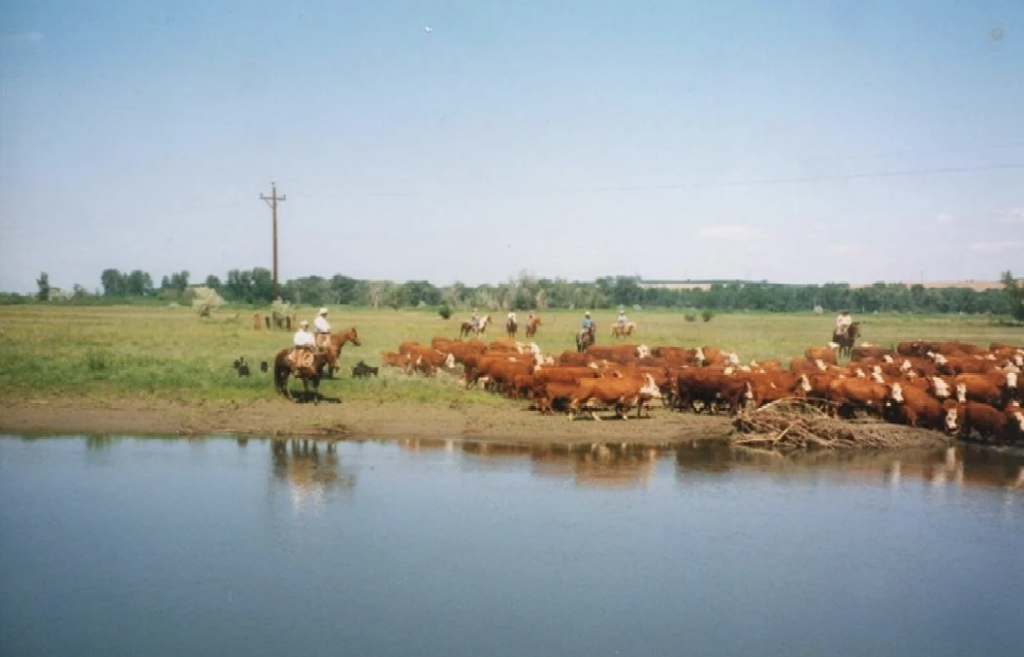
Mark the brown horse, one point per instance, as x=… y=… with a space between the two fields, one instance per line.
x=481 y=328
x=531 y=326
x=586 y=337
x=847 y=341
x=283 y=369
x=625 y=330
x=511 y=327
x=333 y=350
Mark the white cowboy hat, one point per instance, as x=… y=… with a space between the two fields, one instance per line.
x=586 y=314
x=323 y=311
x=303 y=323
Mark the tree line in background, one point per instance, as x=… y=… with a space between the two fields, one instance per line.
x=255 y=287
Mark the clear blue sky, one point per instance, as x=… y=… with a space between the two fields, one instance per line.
x=575 y=139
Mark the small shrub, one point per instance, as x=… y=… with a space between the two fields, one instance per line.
x=690 y=317
x=206 y=300
x=444 y=311
x=707 y=315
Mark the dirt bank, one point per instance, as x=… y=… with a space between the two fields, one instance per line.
x=348 y=420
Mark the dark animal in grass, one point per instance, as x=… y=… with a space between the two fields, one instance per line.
x=241 y=366
x=263 y=366
x=361 y=369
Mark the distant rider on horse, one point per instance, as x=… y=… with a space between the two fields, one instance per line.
x=304 y=343
x=474 y=321
x=843 y=322
x=323 y=329
x=621 y=319
x=512 y=317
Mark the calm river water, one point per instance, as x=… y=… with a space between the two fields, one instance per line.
x=222 y=547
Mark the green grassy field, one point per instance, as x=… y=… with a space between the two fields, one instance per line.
x=171 y=354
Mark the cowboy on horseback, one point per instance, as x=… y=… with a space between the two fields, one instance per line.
x=621 y=319
x=303 y=343
x=323 y=329
x=588 y=323
x=474 y=321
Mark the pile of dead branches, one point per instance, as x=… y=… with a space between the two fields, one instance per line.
x=798 y=424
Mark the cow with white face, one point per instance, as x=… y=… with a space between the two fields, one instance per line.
x=952 y=420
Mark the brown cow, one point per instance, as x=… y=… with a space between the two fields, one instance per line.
x=391 y=359
x=622 y=394
x=407 y=346
x=826 y=355
x=428 y=361
x=940 y=387
x=976 y=416
x=848 y=394
x=994 y=389
x=768 y=387
x=696 y=384
x=920 y=407
x=864 y=353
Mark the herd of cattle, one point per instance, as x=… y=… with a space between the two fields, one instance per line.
x=948 y=386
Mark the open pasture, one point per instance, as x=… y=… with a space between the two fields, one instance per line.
x=171 y=354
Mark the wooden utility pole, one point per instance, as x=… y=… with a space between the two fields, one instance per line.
x=272 y=202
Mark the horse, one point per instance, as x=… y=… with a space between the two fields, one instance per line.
x=626 y=329
x=310 y=374
x=467 y=327
x=531 y=326
x=585 y=338
x=511 y=327
x=847 y=341
x=333 y=350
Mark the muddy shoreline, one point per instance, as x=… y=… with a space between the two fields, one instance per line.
x=351 y=419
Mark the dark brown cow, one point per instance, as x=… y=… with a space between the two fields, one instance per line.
x=707 y=387
x=986 y=420
x=864 y=353
x=916 y=348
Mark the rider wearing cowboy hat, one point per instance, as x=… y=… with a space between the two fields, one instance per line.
x=587 y=322
x=843 y=321
x=303 y=340
x=323 y=329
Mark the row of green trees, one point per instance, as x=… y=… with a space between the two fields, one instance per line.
x=255 y=286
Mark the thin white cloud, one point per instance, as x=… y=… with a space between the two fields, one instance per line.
x=1010 y=216
x=846 y=248
x=945 y=219
x=728 y=233
x=994 y=247
x=24 y=38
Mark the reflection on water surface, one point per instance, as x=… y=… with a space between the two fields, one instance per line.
x=121 y=546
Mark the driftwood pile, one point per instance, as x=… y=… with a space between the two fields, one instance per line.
x=799 y=424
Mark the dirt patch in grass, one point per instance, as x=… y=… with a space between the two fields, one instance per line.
x=351 y=419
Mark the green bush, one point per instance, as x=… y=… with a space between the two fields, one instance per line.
x=707 y=315
x=690 y=317
x=444 y=311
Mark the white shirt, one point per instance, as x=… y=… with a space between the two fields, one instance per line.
x=304 y=339
x=321 y=324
